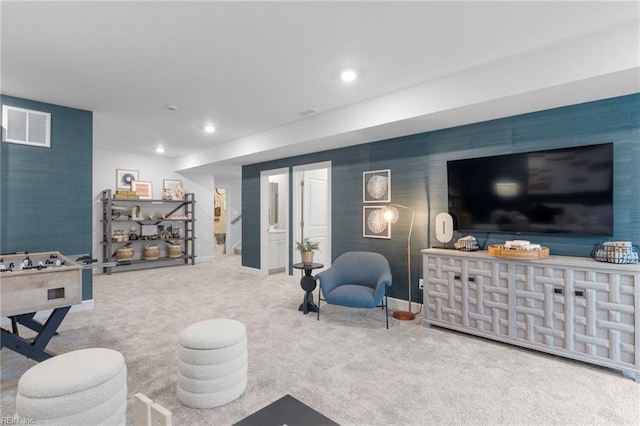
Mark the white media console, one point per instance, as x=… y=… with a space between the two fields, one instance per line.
x=569 y=306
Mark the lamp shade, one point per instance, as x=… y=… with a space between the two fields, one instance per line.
x=390 y=214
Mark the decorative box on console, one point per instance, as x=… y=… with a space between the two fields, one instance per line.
x=616 y=252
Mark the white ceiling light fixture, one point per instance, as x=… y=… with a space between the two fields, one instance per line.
x=209 y=128
x=159 y=150
x=348 y=75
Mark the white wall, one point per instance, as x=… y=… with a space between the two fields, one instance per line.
x=203 y=186
x=154 y=169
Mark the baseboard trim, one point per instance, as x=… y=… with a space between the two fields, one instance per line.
x=204 y=259
x=253 y=271
x=86 y=305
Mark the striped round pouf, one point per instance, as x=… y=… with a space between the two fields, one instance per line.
x=212 y=363
x=84 y=387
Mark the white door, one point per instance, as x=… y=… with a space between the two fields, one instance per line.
x=313 y=210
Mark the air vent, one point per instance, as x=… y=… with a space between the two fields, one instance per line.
x=25 y=126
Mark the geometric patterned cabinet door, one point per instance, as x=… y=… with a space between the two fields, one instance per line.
x=569 y=306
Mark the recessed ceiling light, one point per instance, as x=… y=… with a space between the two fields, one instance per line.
x=348 y=75
x=159 y=150
x=209 y=128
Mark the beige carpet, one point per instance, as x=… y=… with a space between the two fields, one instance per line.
x=347 y=366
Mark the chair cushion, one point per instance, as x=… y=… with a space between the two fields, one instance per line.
x=353 y=296
x=83 y=416
x=362 y=268
x=71 y=372
x=212 y=356
x=212 y=334
x=74 y=403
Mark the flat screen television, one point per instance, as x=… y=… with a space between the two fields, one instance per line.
x=559 y=191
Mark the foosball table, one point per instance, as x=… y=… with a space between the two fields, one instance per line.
x=33 y=282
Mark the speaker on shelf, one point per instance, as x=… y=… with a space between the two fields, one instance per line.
x=444 y=227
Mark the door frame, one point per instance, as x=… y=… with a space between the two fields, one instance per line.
x=227 y=219
x=298 y=172
x=264 y=217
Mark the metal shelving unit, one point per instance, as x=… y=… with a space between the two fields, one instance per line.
x=168 y=208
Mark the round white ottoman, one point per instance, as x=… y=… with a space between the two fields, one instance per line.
x=84 y=387
x=212 y=363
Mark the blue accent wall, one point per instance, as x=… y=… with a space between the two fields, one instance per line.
x=46 y=200
x=419 y=180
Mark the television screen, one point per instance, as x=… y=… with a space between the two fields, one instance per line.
x=564 y=191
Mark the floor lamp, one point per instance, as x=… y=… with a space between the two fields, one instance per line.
x=391 y=214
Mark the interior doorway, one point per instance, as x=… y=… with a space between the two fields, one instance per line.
x=220 y=220
x=274 y=221
x=312 y=209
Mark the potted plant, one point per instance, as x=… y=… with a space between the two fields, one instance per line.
x=306 y=249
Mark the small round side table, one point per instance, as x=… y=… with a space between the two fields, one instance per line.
x=308 y=284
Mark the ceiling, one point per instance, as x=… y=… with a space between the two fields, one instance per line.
x=253 y=68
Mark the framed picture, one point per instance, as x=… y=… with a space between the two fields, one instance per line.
x=125 y=177
x=143 y=189
x=374 y=225
x=172 y=189
x=376 y=186
x=170 y=183
x=149 y=230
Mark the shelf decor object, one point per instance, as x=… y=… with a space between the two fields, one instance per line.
x=391 y=214
x=519 y=250
x=444 y=227
x=616 y=252
x=124 y=254
x=125 y=177
x=173 y=249
x=170 y=183
x=143 y=189
x=172 y=189
x=468 y=243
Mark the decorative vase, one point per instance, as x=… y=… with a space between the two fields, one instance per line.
x=124 y=253
x=174 y=250
x=151 y=252
x=307 y=257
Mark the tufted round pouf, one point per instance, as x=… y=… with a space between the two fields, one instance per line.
x=212 y=363
x=87 y=387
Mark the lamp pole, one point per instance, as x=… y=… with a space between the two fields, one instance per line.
x=404 y=315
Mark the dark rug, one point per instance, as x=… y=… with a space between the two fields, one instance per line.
x=286 y=411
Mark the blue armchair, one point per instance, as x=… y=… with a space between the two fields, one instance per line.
x=356 y=279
